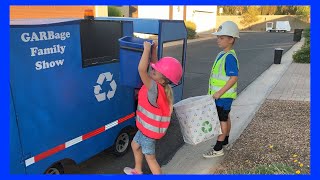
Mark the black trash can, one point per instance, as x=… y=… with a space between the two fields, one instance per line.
x=297 y=35
x=277 y=55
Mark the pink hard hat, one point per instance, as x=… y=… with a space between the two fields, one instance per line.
x=170 y=68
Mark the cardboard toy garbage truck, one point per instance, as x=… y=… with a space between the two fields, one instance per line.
x=67 y=102
x=281 y=26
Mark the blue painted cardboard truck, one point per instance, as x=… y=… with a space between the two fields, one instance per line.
x=67 y=102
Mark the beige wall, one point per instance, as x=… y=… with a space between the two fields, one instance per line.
x=101 y=11
x=203 y=16
x=177 y=12
x=260 y=25
x=157 y=12
x=22 y=12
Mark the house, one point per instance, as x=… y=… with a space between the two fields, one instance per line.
x=22 y=12
x=203 y=16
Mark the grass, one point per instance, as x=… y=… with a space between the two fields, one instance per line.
x=266 y=169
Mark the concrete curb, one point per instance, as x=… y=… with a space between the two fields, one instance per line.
x=188 y=159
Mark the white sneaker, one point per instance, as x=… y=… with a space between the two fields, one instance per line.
x=227 y=147
x=130 y=171
x=212 y=153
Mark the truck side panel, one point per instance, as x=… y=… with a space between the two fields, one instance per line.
x=16 y=155
x=58 y=112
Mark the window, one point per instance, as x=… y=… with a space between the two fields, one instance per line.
x=175 y=51
x=99 y=42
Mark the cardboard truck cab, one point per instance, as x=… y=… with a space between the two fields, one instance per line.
x=66 y=102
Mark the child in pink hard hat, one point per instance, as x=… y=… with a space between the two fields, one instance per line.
x=155 y=106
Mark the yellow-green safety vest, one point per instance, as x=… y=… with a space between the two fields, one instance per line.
x=219 y=78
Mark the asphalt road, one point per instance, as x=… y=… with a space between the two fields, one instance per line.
x=255 y=53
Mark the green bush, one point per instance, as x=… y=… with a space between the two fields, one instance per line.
x=306 y=33
x=191 y=29
x=303 y=55
x=114 y=11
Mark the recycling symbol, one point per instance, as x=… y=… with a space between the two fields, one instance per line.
x=206 y=127
x=101 y=96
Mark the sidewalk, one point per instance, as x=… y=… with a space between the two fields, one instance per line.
x=279 y=134
x=294 y=85
x=283 y=81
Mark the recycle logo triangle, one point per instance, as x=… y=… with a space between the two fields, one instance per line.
x=101 y=96
x=206 y=127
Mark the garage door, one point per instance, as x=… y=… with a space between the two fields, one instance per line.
x=204 y=20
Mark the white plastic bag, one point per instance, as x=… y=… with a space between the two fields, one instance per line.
x=198 y=119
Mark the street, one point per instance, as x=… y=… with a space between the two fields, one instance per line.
x=255 y=53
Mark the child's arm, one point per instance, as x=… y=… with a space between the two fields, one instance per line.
x=232 y=80
x=154 y=53
x=143 y=65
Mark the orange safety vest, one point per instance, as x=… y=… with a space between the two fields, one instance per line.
x=152 y=121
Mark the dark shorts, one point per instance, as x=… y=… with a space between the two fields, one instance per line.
x=222 y=113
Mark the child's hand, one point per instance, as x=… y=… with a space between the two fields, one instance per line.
x=155 y=44
x=147 y=46
x=217 y=95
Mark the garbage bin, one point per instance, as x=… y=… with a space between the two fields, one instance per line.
x=131 y=49
x=277 y=55
x=198 y=119
x=297 y=35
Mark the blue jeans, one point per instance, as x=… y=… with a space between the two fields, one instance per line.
x=147 y=144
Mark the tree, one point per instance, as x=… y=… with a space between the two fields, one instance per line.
x=227 y=10
x=278 y=12
x=303 y=10
x=250 y=16
x=268 y=10
x=292 y=10
x=114 y=11
x=286 y=10
x=232 y=10
x=240 y=9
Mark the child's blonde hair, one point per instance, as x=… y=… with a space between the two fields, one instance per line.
x=169 y=93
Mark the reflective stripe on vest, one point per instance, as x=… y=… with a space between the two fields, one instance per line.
x=223 y=78
x=153 y=116
x=152 y=121
x=218 y=77
x=150 y=127
x=231 y=90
